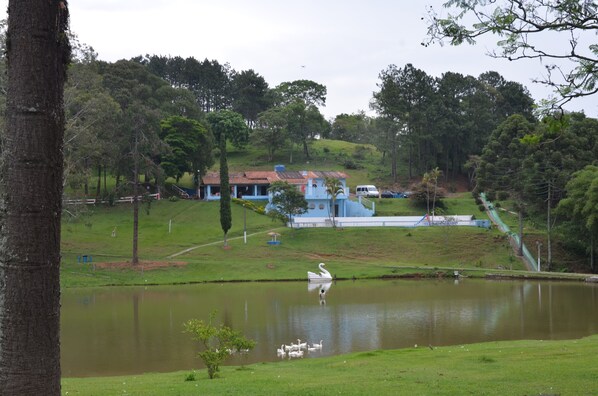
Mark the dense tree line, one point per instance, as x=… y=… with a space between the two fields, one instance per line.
x=539 y=167
x=146 y=117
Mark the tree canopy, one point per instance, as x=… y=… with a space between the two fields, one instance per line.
x=529 y=29
x=287 y=201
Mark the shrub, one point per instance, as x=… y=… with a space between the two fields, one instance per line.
x=173 y=198
x=482 y=208
x=217 y=342
x=361 y=152
x=190 y=377
x=502 y=195
x=350 y=164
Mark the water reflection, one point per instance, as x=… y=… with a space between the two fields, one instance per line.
x=133 y=330
x=321 y=288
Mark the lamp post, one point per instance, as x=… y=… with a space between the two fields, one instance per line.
x=198 y=184
x=539 y=244
x=244 y=224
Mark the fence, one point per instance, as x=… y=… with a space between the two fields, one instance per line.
x=93 y=201
x=390 y=221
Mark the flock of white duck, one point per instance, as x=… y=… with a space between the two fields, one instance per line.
x=297 y=350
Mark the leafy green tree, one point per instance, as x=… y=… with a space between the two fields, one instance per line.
x=142 y=99
x=404 y=97
x=226 y=125
x=212 y=86
x=334 y=188
x=351 y=128
x=508 y=97
x=31 y=155
x=502 y=164
x=558 y=148
x=190 y=145
x=271 y=130
x=388 y=136
x=92 y=121
x=581 y=208
x=310 y=92
x=527 y=29
x=217 y=342
x=430 y=182
x=304 y=122
x=231 y=125
x=250 y=95
x=287 y=200
x=226 y=217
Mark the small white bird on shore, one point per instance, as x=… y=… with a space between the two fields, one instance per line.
x=281 y=351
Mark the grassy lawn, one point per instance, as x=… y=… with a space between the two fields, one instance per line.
x=189 y=232
x=495 y=368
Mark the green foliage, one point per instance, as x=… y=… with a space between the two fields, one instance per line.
x=225 y=196
x=580 y=207
x=518 y=24
x=287 y=200
x=190 y=377
x=251 y=205
x=230 y=125
x=190 y=144
x=216 y=342
x=307 y=91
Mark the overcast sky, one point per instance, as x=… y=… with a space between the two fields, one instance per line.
x=341 y=44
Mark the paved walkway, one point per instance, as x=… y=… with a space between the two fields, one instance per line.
x=219 y=242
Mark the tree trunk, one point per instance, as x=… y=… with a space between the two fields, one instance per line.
x=105 y=184
x=99 y=183
x=592 y=252
x=37 y=51
x=394 y=161
x=520 y=247
x=549 y=229
x=135 y=259
x=305 y=149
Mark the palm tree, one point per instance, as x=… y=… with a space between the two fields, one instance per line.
x=334 y=188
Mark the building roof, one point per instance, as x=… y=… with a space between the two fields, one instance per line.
x=268 y=177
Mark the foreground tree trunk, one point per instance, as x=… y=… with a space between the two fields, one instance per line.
x=31 y=168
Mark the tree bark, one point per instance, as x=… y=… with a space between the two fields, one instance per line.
x=135 y=259
x=31 y=171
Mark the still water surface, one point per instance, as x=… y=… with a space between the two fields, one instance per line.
x=117 y=331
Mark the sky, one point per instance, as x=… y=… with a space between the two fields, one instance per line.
x=343 y=45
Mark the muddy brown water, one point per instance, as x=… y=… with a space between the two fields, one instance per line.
x=132 y=330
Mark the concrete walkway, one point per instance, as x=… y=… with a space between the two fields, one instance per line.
x=219 y=242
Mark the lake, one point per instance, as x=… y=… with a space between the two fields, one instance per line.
x=132 y=330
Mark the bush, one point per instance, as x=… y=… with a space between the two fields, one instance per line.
x=350 y=164
x=190 y=377
x=361 y=152
x=217 y=342
x=503 y=195
x=173 y=198
x=482 y=208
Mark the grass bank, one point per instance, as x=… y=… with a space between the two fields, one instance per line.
x=495 y=368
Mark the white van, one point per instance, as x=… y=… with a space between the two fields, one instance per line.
x=369 y=191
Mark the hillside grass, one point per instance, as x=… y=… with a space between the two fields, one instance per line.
x=494 y=368
x=189 y=232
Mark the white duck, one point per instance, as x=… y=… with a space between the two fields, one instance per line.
x=281 y=351
x=317 y=346
x=302 y=345
x=323 y=276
